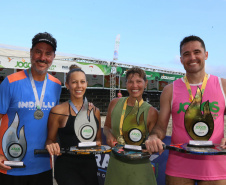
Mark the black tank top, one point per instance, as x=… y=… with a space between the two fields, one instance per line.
x=67 y=136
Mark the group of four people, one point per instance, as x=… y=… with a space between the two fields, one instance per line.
x=29 y=100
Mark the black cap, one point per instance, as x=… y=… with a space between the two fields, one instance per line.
x=44 y=37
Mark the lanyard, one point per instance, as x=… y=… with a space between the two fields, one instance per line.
x=73 y=107
x=123 y=113
x=189 y=87
x=38 y=102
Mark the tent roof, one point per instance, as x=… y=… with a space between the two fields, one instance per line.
x=17 y=51
x=23 y=52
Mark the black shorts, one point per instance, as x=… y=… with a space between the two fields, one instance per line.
x=44 y=178
x=76 y=170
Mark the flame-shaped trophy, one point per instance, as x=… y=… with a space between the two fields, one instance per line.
x=14 y=147
x=133 y=128
x=199 y=126
x=85 y=127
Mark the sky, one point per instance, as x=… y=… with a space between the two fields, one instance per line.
x=150 y=30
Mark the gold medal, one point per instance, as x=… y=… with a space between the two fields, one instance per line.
x=121 y=140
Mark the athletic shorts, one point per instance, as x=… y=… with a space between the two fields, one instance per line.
x=76 y=170
x=44 y=178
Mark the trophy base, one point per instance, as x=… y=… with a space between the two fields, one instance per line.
x=14 y=164
x=132 y=147
x=200 y=144
x=87 y=144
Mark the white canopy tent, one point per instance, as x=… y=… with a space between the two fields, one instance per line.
x=15 y=57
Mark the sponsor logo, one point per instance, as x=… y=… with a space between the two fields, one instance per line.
x=135 y=135
x=23 y=64
x=167 y=77
x=32 y=105
x=201 y=129
x=15 y=150
x=149 y=76
x=64 y=67
x=213 y=107
x=52 y=67
x=87 y=132
x=102 y=160
x=9 y=59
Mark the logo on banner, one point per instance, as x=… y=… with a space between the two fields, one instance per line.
x=64 y=67
x=23 y=64
x=167 y=78
x=91 y=67
x=10 y=59
x=52 y=67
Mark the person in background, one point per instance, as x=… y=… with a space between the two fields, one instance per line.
x=80 y=169
x=119 y=94
x=26 y=98
x=129 y=172
x=181 y=168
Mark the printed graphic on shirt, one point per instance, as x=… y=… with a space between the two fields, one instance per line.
x=199 y=126
x=32 y=105
x=214 y=108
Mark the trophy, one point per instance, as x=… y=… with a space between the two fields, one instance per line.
x=199 y=126
x=14 y=149
x=85 y=127
x=133 y=129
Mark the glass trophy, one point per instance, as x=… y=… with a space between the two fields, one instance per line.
x=199 y=126
x=134 y=129
x=14 y=147
x=85 y=126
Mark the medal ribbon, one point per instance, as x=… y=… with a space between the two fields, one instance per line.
x=123 y=114
x=73 y=107
x=189 y=87
x=38 y=102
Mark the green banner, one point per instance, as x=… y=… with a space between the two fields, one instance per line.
x=169 y=77
x=106 y=70
x=152 y=75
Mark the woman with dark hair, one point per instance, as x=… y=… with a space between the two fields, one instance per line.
x=64 y=120
x=130 y=172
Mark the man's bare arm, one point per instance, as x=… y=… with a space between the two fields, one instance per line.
x=154 y=142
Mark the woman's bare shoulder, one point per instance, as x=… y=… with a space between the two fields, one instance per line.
x=61 y=108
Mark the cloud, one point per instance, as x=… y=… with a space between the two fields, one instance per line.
x=176 y=65
x=216 y=70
